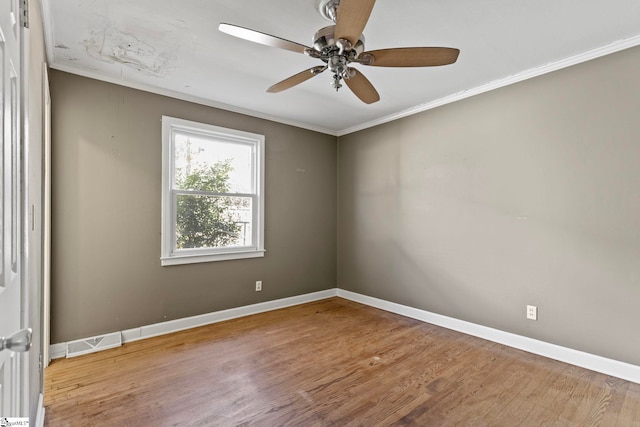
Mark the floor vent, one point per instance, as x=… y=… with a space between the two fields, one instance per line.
x=93 y=344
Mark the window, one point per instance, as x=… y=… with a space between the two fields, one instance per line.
x=212 y=193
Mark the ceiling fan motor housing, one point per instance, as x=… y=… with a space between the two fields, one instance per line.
x=325 y=41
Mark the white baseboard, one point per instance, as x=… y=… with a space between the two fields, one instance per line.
x=589 y=361
x=40 y=412
x=593 y=362
x=57 y=351
x=220 y=316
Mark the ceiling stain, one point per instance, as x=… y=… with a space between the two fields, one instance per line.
x=115 y=46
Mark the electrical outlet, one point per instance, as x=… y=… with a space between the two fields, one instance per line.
x=258 y=285
x=532 y=312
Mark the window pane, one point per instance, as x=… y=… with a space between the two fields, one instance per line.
x=209 y=164
x=213 y=221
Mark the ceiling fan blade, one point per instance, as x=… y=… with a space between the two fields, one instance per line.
x=362 y=87
x=412 y=56
x=352 y=16
x=262 y=38
x=296 y=79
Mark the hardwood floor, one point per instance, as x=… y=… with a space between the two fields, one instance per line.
x=329 y=363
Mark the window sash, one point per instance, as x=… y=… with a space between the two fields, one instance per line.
x=213 y=139
x=223 y=249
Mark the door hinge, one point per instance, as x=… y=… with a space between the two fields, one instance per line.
x=24 y=13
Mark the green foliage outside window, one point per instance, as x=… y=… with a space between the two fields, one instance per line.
x=205 y=221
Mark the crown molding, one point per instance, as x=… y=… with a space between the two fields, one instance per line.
x=496 y=84
x=191 y=98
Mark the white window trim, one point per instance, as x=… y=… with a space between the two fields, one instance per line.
x=191 y=256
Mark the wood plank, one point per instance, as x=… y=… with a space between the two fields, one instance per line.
x=330 y=362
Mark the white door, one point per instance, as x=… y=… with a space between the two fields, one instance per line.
x=11 y=363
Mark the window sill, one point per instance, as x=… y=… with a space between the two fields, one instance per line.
x=194 y=259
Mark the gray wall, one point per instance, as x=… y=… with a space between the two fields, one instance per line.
x=529 y=194
x=106 y=273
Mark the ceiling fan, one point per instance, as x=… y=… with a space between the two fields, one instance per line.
x=341 y=44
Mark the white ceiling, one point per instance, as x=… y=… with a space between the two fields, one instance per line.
x=174 y=48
